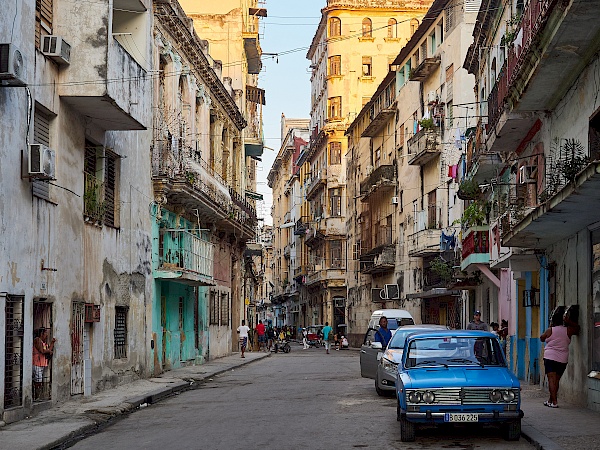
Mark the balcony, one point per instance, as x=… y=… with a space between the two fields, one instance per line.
x=316 y=183
x=300 y=227
x=314 y=235
x=287 y=251
x=379 y=120
x=425 y=243
x=424 y=146
x=251 y=38
x=425 y=68
x=558 y=40
x=186 y=180
x=475 y=247
x=482 y=165
x=300 y=272
x=381 y=259
x=117 y=93
x=382 y=179
x=185 y=257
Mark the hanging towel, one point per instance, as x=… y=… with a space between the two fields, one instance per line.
x=457 y=138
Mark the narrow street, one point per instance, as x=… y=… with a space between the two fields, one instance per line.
x=305 y=399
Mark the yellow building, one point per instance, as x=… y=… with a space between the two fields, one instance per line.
x=350 y=54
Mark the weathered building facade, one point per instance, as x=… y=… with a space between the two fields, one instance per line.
x=350 y=55
x=535 y=65
x=76 y=251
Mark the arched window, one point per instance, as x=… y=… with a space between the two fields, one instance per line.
x=335 y=27
x=367 y=27
x=414 y=24
x=493 y=73
x=392 y=28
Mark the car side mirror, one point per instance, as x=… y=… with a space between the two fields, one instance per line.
x=376 y=345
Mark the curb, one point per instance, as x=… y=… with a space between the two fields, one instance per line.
x=538 y=439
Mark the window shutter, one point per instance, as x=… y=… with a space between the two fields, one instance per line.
x=41 y=135
x=110 y=185
x=43 y=19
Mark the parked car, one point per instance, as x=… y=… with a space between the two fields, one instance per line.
x=387 y=366
x=456 y=376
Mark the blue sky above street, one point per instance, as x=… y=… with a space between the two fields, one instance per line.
x=288 y=32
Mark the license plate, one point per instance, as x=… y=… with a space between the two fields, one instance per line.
x=461 y=417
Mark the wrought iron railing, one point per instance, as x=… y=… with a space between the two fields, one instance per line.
x=182 y=250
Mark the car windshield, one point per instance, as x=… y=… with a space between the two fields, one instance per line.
x=454 y=351
x=399 y=337
x=395 y=323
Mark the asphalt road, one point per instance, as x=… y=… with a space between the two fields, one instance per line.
x=305 y=399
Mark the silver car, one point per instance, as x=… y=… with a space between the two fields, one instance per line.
x=382 y=364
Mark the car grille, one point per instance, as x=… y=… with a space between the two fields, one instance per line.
x=462 y=396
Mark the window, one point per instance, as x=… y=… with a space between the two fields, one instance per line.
x=41 y=135
x=13 y=351
x=595 y=294
x=101 y=180
x=110 y=188
x=335 y=108
x=414 y=24
x=120 y=332
x=335 y=248
x=450 y=114
x=392 y=30
x=367 y=28
x=43 y=20
x=335 y=65
x=366 y=66
x=335 y=202
x=224 y=309
x=335 y=153
x=335 y=27
x=214 y=308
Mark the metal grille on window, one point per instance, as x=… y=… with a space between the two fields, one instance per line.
x=77 y=356
x=42 y=318
x=110 y=188
x=214 y=308
x=13 y=359
x=120 y=332
x=224 y=310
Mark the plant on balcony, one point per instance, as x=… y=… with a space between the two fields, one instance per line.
x=476 y=214
x=570 y=158
x=427 y=124
x=190 y=177
x=442 y=268
x=469 y=190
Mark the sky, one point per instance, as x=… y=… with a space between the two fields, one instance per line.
x=288 y=31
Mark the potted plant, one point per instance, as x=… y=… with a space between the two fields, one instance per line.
x=469 y=190
x=426 y=124
x=475 y=214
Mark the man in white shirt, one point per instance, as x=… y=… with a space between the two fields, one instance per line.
x=243 y=332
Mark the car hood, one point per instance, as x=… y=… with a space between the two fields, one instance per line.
x=459 y=377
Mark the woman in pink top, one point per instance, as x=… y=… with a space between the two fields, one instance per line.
x=556 y=353
x=41 y=352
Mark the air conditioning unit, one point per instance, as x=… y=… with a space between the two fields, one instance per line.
x=55 y=48
x=12 y=66
x=394 y=200
x=527 y=174
x=432 y=97
x=376 y=295
x=41 y=162
x=391 y=292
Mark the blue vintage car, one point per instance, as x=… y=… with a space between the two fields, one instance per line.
x=456 y=376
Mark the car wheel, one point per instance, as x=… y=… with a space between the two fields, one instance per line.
x=379 y=391
x=407 y=430
x=512 y=430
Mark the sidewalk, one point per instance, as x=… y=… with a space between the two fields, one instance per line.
x=569 y=427
x=67 y=422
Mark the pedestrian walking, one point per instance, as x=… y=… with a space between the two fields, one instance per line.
x=262 y=337
x=556 y=353
x=270 y=337
x=243 y=334
x=327 y=333
x=305 y=339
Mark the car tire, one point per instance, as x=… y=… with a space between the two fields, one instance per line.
x=407 y=430
x=512 y=430
x=379 y=391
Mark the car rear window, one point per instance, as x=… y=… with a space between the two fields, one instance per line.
x=395 y=323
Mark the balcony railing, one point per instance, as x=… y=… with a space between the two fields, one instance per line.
x=424 y=146
x=382 y=178
x=301 y=227
x=476 y=246
x=183 y=251
x=425 y=242
x=381 y=259
x=319 y=179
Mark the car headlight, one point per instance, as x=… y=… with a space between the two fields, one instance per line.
x=428 y=397
x=414 y=397
x=388 y=366
x=495 y=396
x=508 y=396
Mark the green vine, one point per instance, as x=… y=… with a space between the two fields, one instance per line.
x=442 y=268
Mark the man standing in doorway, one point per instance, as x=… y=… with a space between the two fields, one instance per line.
x=243 y=333
x=326 y=335
x=262 y=337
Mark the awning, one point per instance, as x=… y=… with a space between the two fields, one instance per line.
x=436 y=292
x=572 y=209
x=254 y=195
x=253 y=149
